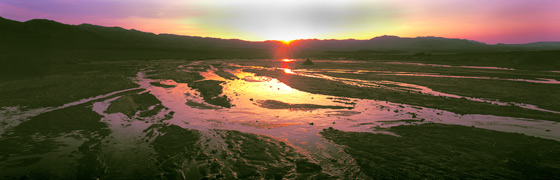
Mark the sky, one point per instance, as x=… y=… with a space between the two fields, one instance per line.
x=488 y=21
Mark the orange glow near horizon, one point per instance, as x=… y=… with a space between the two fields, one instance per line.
x=499 y=21
x=287 y=60
x=284 y=51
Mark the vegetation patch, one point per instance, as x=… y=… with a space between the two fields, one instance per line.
x=130 y=104
x=64 y=83
x=437 y=151
x=158 y=84
x=225 y=75
x=177 y=75
x=403 y=120
x=273 y=104
x=262 y=157
x=211 y=91
x=175 y=148
x=25 y=146
x=197 y=105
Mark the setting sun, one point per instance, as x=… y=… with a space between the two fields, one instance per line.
x=286 y=41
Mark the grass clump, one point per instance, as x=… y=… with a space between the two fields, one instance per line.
x=178 y=76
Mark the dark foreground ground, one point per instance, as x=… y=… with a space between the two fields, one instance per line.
x=270 y=119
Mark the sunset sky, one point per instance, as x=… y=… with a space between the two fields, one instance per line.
x=489 y=21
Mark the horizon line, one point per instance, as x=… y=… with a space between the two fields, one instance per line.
x=279 y=40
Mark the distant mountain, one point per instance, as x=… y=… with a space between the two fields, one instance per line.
x=48 y=34
x=418 y=44
x=40 y=32
x=543 y=45
x=47 y=39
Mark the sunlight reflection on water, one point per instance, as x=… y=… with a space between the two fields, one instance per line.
x=259 y=105
x=266 y=105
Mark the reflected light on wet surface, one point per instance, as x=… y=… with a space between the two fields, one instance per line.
x=288 y=71
x=265 y=105
x=288 y=60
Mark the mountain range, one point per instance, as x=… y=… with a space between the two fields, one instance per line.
x=47 y=35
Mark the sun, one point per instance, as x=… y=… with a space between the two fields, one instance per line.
x=288 y=37
x=286 y=42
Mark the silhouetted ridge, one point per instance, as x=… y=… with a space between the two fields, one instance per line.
x=385 y=43
x=42 y=33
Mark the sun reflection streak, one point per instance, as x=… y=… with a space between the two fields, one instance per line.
x=288 y=71
x=288 y=60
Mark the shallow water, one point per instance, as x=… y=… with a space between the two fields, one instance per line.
x=399 y=86
x=353 y=114
x=260 y=105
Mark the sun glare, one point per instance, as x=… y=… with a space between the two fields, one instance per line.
x=287 y=60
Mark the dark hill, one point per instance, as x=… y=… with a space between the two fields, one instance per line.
x=412 y=45
x=52 y=40
x=42 y=33
x=46 y=34
x=47 y=39
x=540 y=45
